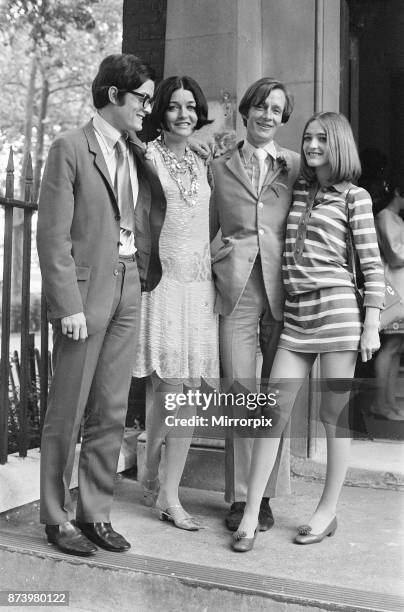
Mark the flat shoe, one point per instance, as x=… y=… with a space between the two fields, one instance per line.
x=177 y=516
x=304 y=535
x=241 y=543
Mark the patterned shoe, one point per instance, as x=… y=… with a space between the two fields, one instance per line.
x=241 y=543
x=304 y=535
x=178 y=516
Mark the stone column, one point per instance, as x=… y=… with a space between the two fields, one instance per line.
x=226 y=45
x=220 y=45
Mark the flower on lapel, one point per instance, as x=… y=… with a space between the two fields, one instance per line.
x=282 y=163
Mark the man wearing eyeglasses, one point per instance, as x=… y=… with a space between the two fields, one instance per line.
x=101 y=209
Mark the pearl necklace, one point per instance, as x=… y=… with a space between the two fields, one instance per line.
x=176 y=167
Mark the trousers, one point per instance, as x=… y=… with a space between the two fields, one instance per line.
x=89 y=390
x=238 y=333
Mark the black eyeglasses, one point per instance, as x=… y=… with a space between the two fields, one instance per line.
x=144 y=97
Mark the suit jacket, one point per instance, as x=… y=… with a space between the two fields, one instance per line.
x=250 y=223
x=78 y=227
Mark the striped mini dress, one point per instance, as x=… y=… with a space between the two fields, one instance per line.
x=321 y=310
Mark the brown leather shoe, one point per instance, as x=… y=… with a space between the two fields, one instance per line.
x=104 y=536
x=69 y=539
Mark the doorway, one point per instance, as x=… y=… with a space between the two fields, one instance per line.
x=372 y=97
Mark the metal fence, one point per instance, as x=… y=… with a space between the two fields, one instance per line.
x=20 y=403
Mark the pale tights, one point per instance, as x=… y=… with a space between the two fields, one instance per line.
x=177 y=442
x=339 y=365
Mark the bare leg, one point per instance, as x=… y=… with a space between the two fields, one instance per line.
x=297 y=366
x=156 y=428
x=339 y=365
x=178 y=441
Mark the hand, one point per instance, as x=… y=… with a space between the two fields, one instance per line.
x=75 y=326
x=203 y=149
x=370 y=342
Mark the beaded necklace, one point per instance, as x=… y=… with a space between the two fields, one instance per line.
x=176 y=167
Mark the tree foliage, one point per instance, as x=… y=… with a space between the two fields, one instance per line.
x=46 y=19
x=49 y=54
x=62 y=43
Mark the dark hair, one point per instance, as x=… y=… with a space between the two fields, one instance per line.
x=396 y=183
x=258 y=92
x=123 y=71
x=343 y=154
x=163 y=95
x=388 y=191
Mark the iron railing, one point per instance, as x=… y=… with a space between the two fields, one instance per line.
x=11 y=398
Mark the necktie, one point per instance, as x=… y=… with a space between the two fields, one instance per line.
x=123 y=187
x=261 y=156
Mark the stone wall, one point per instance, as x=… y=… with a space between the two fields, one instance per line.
x=144 y=31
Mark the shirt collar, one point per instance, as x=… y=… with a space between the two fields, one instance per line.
x=248 y=150
x=107 y=132
x=342 y=186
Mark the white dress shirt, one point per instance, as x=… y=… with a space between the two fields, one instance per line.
x=248 y=152
x=107 y=137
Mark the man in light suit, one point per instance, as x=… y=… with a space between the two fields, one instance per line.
x=253 y=189
x=101 y=209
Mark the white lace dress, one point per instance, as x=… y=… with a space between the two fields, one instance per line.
x=178 y=329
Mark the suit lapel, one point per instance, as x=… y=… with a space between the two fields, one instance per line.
x=144 y=190
x=237 y=169
x=99 y=160
x=144 y=166
x=273 y=172
x=149 y=215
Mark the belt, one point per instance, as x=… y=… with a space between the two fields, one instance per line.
x=128 y=257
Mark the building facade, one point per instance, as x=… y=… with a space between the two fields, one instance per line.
x=341 y=55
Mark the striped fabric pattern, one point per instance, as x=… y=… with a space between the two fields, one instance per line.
x=321 y=311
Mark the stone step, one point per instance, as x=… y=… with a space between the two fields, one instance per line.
x=19 y=477
x=128 y=582
x=205 y=466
